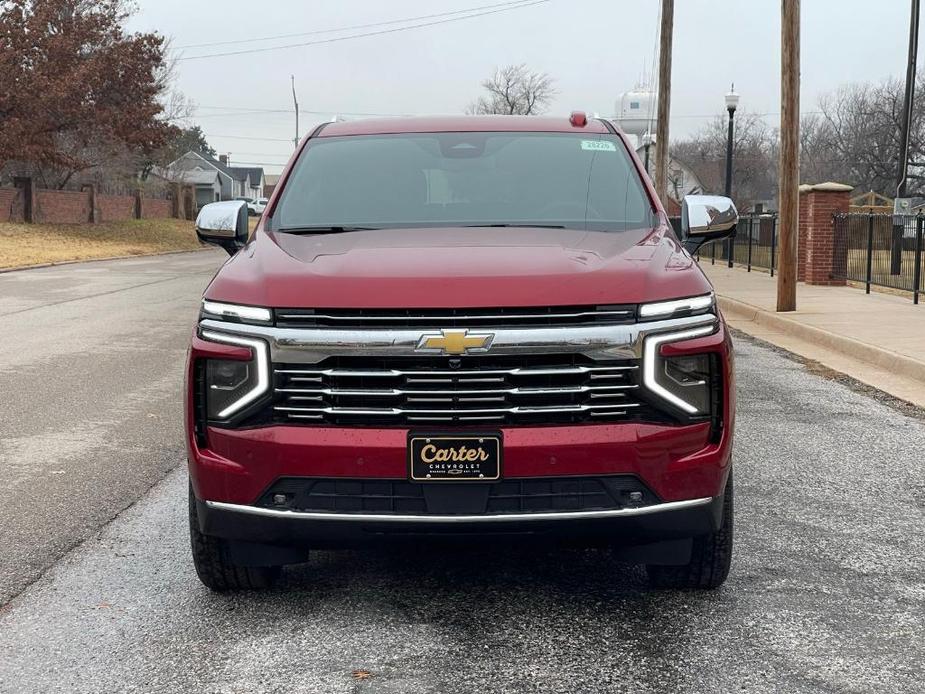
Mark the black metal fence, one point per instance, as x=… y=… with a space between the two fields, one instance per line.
x=754 y=245
x=874 y=249
x=880 y=249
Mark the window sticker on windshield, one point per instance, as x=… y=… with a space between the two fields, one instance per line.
x=598 y=145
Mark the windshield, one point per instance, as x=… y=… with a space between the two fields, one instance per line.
x=464 y=179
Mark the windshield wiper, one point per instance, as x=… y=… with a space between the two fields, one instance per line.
x=324 y=229
x=522 y=226
x=337 y=229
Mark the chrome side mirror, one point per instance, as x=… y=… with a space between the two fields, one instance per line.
x=223 y=224
x=706 y=218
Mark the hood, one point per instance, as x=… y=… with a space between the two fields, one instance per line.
x=458 y=268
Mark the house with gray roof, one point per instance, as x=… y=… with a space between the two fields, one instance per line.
x=234 y=181
x=208 y=185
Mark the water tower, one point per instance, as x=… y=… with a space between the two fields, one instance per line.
x=636 y=111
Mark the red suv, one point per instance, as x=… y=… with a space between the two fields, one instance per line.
x=468 y=328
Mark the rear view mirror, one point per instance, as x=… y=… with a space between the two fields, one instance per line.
x=223 y=224
x=706 y=218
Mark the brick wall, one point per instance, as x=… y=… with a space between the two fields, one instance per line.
x=73 y=207
x=7 y=199
x=62 y=206
x=114 y=208
x=156 y=209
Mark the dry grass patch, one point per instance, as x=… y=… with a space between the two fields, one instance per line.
x=32 y=244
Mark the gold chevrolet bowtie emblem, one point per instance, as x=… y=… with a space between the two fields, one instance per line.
x=454 y=342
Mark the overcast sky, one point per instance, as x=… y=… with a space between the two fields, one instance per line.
x=595 y=49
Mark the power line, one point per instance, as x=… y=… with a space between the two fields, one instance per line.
x=363 y=35
x=253 y=112
x=761 y=115
x=245 y=137
x=263 y=154
x=262 y=112
x=369 y=113
x=247 y=109
x=243 y=113
x=244 y=108
x=352 y=28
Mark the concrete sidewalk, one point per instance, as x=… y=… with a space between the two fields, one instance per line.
x=879 y=339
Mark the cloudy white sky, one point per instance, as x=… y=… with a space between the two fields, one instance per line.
x=595 y=49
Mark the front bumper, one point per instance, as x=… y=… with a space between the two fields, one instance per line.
x=629 y=526
x=677 y=463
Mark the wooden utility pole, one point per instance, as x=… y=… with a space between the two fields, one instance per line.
x=664 y=100
x=789 y=154
x=295 y=102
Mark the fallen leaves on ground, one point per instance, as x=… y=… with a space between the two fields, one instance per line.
x=34 y=244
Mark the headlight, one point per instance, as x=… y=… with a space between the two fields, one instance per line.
x=689 y=377
x=226 y=381
x=235 y=312
x=233 y=384
x=678 y=308
x=685 y=381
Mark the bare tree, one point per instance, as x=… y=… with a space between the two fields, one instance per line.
x=754 y=165
x=515 y=90
x=854 y=138
x=851 y=137
x=178 y=109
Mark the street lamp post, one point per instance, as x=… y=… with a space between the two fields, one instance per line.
x=732 y=101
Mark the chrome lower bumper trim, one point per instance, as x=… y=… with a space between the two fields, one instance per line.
x=482 y=518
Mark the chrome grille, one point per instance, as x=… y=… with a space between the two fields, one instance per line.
x=422 y=391
x=456 y=318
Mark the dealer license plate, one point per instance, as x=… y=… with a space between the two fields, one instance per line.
x=454 y=458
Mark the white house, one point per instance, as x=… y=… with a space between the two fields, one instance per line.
x=235 y=181
x=682 y=180
x=208 y=184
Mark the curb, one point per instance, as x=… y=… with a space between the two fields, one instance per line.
x=862 y=351
x=39 y=266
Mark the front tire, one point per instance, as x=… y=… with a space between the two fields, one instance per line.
x=213 y=565
x=711 y=557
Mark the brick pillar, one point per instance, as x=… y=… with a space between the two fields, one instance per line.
x=27 y=198
x=822 y=201
x=176 y=203
x=189 y=202
x=90 y=190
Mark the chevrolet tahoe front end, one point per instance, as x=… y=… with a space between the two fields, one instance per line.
x=461 y=329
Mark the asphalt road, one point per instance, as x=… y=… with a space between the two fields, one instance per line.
x=91 y=362
x=827 y=591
